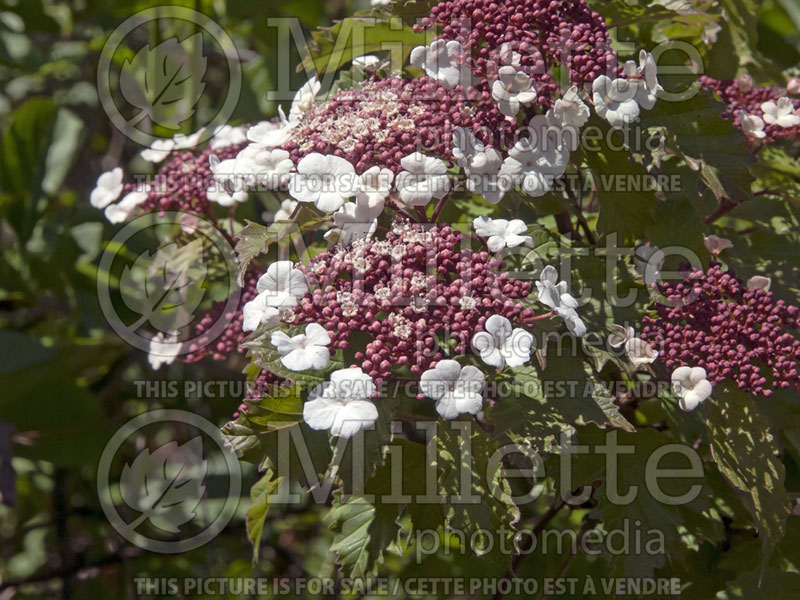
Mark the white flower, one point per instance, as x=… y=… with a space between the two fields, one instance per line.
x=271 y=135
x=282 y=284
x=257 y=312
x=752 y=125
x=264 y=168
x=793 y=86
x=484 y=176
x=163 y=350
x=570 y=110
x=374 y=185
x=222 y=197
x=547 y=142
x=456 y=390
x=715 y=244
x=466 y=146
x=556 y=296
x=508 y=56
x=228 y=188
x=512 y=89
x=614 y=100
x=424 y=178
x=780 y=114
x=122 y=210
x=107 y=189
x=369 y=64
x=355 y=220
x=537 y=161
x=304 y=351
x=691 y=385
x=502 y=233
x=325 y=180
x=648 y=261
x=442 y=60
x=158 y=151
x=501 y=345
x=284 y=213
x=639 y=352
x=646 y=84
x=759 y=282
x=227 y=135
x=381 y=2
x=304 y=98
x=182 y=141
x=342 y=404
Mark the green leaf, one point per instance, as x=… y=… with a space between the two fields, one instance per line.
x=695 y=129
x=617 y=462
x=363 y=533
x=562 y=397
x=358 y=457
x=260 y=495
x=366 y=525
x=266 y=356
x=624 y=209
x=482 y=504
x=747 y=455
x=333 y=47
x=254 y=239
x=619 y=13
x=271 y=435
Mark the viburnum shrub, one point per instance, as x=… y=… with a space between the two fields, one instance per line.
x=456 y=213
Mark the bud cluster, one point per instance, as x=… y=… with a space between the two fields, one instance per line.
x=743 y=95
x=714 y=321
x=545 y=33
x=418 y=294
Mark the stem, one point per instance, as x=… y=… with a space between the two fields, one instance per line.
x=537 y=529
x=539 y=317
x=724 y=208
x=439 y=208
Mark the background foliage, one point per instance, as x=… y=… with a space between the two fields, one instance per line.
x=67 y=378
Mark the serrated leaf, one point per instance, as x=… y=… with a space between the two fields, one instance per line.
x=552 y=401
x=485 y=505
x=254 y=239
x=365 y=528
x=695 y=128
x=626 y=212
x=747 y=455
x=333 y=47
x=271 y=435
x=260 y=495
x=363 y=535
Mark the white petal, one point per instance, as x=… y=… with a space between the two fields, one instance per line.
x=320 y=413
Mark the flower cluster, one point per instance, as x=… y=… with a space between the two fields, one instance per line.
x=229 y=341
x=422 y=297
x=529 y=36
x=759 y=111
x=390 y=118
x=715 y=321
x=432 y=295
